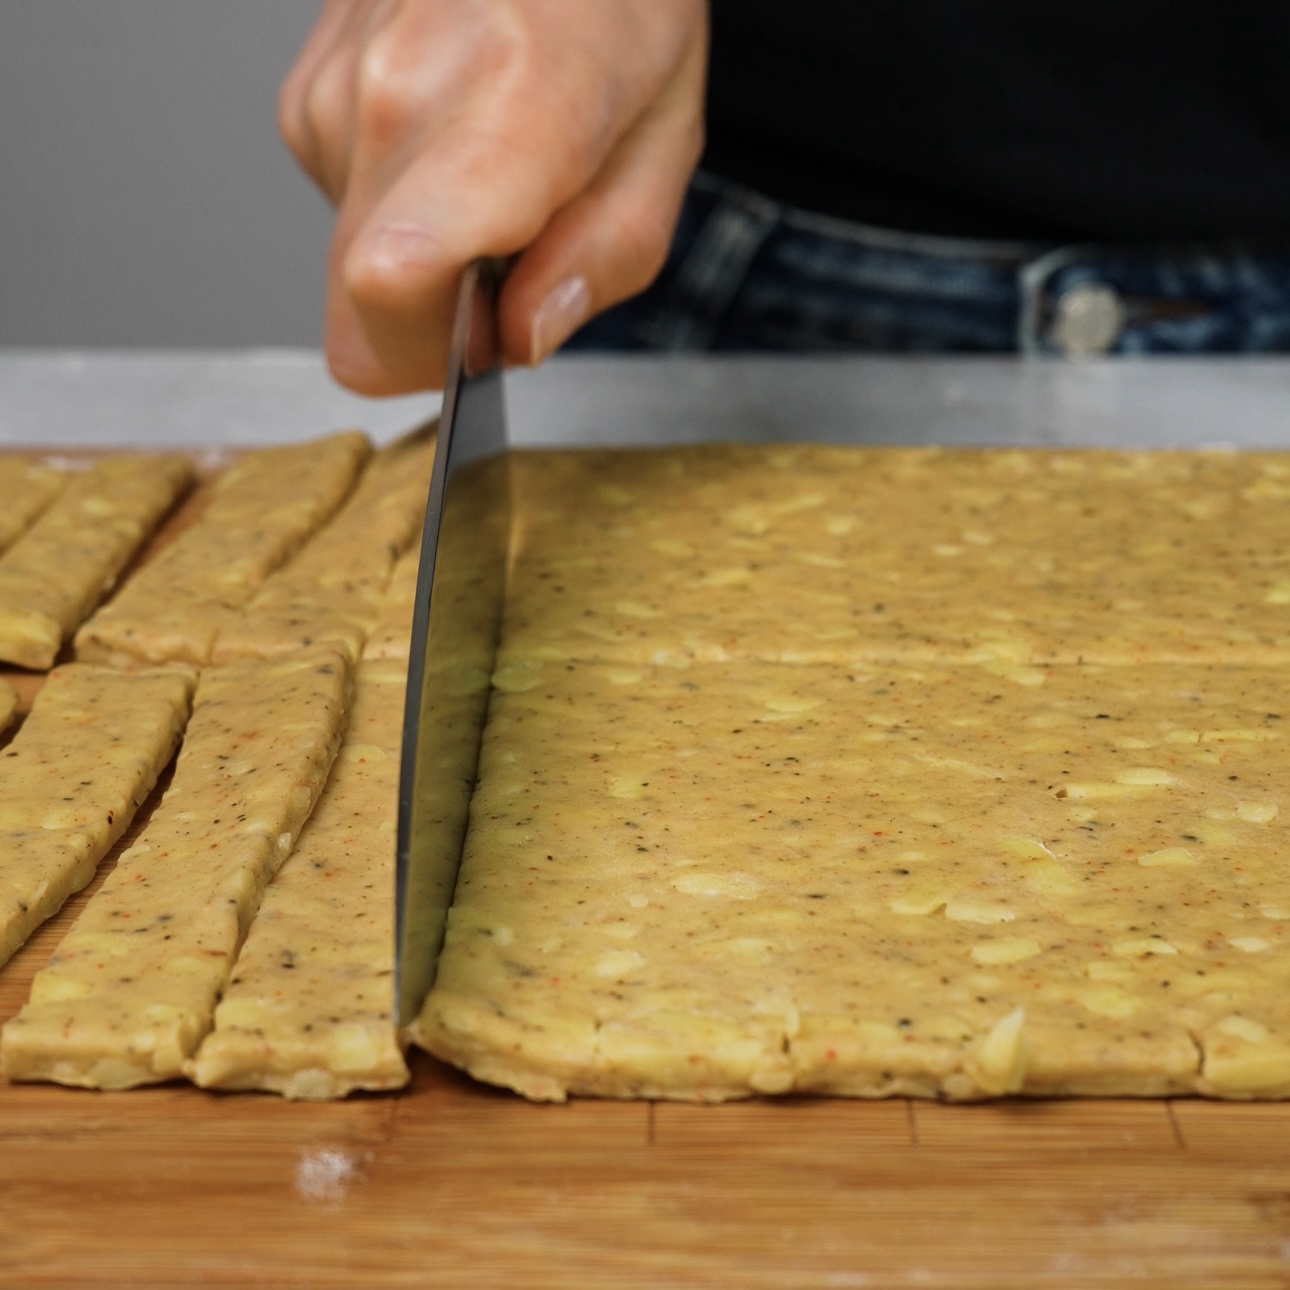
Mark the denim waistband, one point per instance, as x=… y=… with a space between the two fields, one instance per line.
x=746 y=272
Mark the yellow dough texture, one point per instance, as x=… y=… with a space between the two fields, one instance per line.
x=263 y=510
x=392 y=632
x=806 y=554
x=64 y=564
x=131 y=990
x=331 y=593
x=949 y=882
x=26 y=488
x=71 y=780
x=308 y=1011
x=8 y=705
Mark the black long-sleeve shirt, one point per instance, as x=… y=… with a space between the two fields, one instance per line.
x=1110 y=120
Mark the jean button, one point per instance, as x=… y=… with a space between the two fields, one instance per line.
x=1087 y=319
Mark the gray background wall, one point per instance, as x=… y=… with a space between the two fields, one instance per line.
x=145 y=197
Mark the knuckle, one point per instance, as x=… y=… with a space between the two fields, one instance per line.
x=391 y=86
x=501 y=43
x=291 y=122
x=403 y=78
x=324 y=107
x=294 y=134
x=508 y=53
x=643 y=236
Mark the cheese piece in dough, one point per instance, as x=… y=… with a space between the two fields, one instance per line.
x=85 y=760
x=308 y=1009
x=26 y=488
x=131 y=990
x=262 y=510
x=63 y=565
x=943 y=882
x=331 y=592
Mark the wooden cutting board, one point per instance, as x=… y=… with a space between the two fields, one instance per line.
x=450 y=1183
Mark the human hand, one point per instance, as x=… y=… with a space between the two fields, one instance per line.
x=561 y=132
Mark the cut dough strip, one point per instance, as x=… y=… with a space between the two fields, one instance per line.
x=391 y=637
x=130 y=991
x=474 y=533
x=84 y=761
x=26 y=488
x=262 y=511
x=331 y=592
x=63 y=565
x=308 y=1010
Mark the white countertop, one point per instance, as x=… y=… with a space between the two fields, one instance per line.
x=65 y=398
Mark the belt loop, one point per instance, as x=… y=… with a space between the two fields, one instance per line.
x=714 y=268
x=1033 y=278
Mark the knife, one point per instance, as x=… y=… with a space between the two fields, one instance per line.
x=455 y=622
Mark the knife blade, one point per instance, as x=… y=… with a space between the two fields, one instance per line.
x=455 y=622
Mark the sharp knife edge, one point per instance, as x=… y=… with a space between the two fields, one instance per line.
x=455 y=622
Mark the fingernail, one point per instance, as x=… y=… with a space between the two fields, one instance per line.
x=563 y=311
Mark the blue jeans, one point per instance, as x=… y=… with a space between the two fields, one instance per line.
x=748 y=273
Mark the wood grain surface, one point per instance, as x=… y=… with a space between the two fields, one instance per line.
x=450 y=1184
